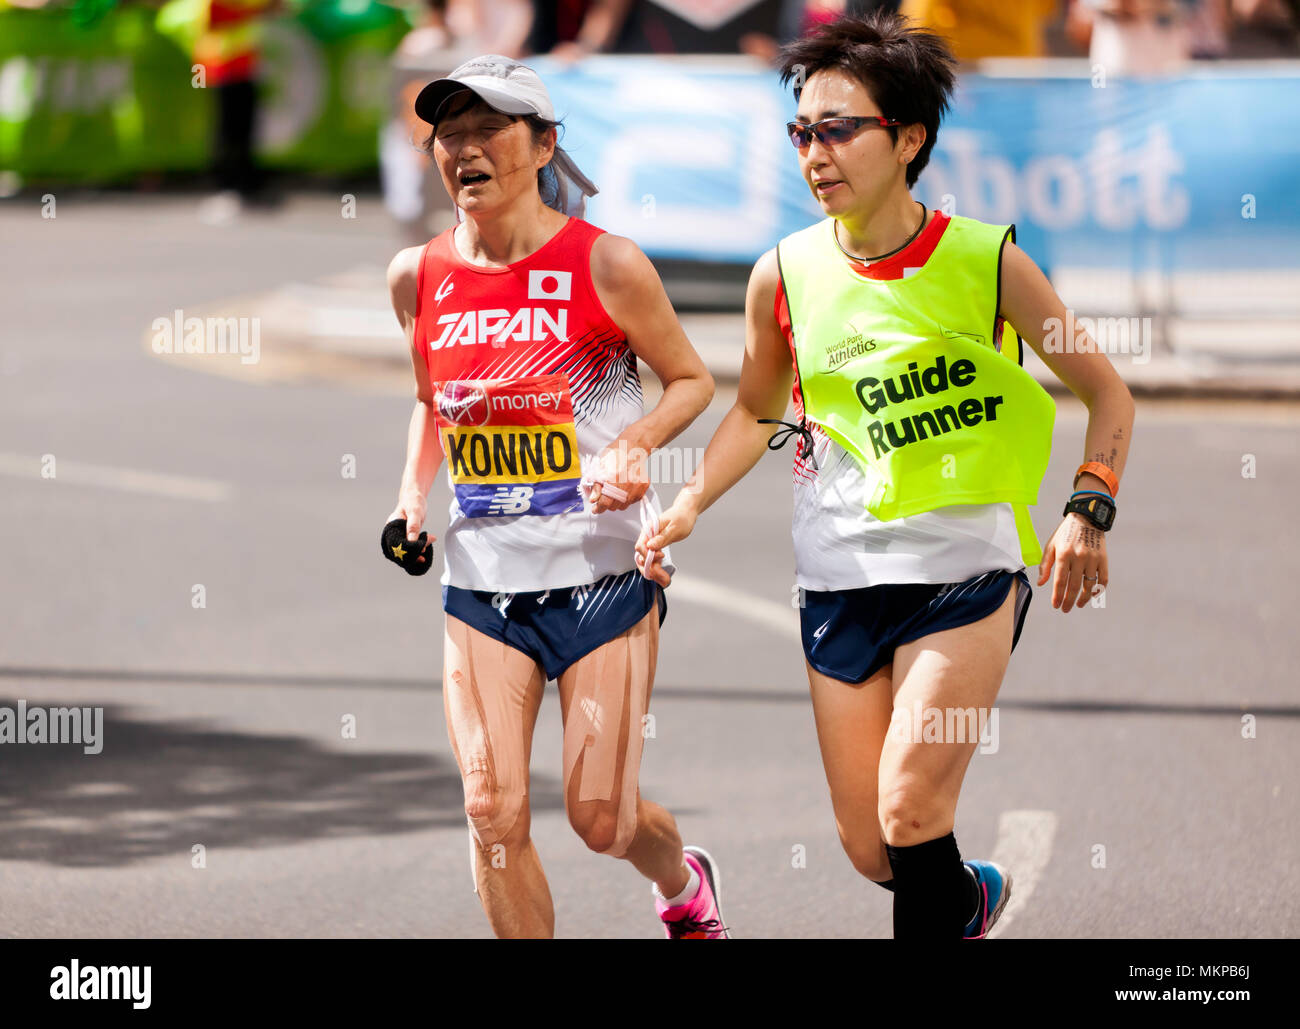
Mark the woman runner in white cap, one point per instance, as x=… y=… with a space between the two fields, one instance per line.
x=525 y=323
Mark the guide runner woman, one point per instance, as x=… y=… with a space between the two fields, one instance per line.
x=922 y=441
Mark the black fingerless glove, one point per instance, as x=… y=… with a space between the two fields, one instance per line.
x=401 y=551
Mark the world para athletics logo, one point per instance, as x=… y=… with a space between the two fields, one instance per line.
x=847 y=350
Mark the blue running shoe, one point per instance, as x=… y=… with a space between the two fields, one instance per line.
x=994 y=883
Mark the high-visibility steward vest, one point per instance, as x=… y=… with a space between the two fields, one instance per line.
x=905 y=374
x=231 y=39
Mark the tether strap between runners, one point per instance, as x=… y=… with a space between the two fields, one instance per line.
x=782 y=436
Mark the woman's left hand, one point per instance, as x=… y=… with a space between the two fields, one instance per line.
x=621 y=465
x=1078 y=553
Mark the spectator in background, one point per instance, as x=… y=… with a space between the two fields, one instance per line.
x=986 y=28
x=712 y=27
x=571 y=29
x=1137 y=37
x=491 y=26
x=430 y=33
x=565 y=29
x=799 y=17
x=403 y=166
x=228 y=52
x=1264 y=28
x=1209 y=29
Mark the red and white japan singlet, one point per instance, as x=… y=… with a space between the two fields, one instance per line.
x=531 y=381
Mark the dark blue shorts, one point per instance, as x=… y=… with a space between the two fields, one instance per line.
x=557 y=627
x=851 y=634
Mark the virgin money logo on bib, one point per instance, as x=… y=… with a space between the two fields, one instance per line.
x=462 y=403
x=511 y=445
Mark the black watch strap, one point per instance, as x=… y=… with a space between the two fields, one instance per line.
x=1096 y=508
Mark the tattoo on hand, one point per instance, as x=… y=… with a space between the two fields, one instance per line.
x=1089 y=535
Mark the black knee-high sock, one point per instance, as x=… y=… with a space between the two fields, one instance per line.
x=934 y=895
x=888 y=884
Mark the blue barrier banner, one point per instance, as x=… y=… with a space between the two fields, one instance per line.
x=1195 y=172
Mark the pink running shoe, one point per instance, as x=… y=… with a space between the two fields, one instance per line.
x=699 y=918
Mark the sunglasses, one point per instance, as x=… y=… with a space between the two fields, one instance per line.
x=833 y=131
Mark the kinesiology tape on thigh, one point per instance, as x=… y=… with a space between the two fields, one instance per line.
x=485 y=724
x=614 y=680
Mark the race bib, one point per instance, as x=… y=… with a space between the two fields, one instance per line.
x=511 y=446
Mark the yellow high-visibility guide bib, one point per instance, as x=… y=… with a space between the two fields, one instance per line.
x=905 y=375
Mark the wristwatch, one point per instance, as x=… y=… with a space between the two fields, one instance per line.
x=1096 y=507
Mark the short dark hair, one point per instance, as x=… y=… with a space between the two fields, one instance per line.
x=908 y=71
x=459 y=103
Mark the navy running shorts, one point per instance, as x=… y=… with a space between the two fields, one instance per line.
x=851 y=634
x=557 y=627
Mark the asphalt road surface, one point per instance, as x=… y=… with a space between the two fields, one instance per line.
x=1143 y=784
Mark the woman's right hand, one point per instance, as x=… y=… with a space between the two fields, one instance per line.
x=411 y=506
x=674 y=524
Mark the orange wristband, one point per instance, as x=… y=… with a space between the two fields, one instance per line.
x=1102 y=472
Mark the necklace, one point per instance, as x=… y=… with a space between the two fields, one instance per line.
x=868 y=260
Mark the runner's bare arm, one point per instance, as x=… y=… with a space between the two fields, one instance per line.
x=1031 y=305
x=630 y=290
x=423 y=449
x=766 y=375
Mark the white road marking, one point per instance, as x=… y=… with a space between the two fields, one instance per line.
x=133 y=480
x=1024 y=848
x=768 y=613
